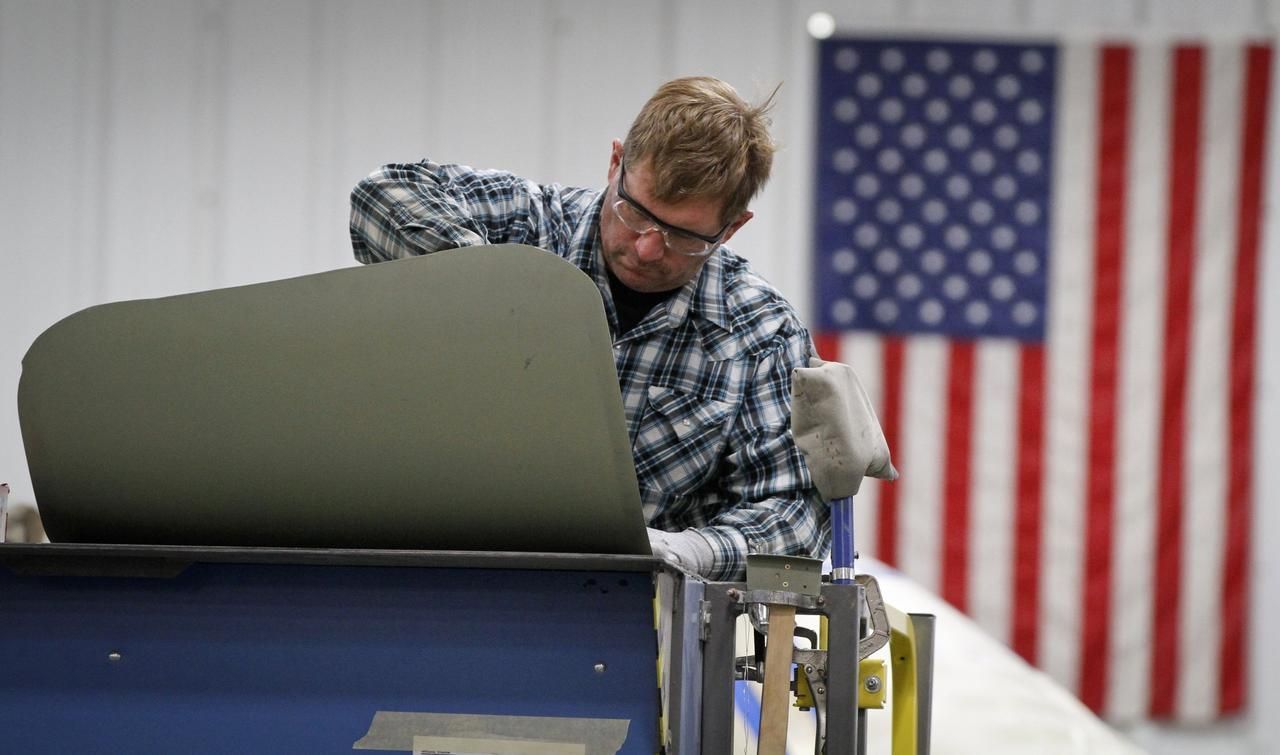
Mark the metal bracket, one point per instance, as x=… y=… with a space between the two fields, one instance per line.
x=784 y=573
x=782 y=598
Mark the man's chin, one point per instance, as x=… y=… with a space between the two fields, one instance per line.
x=645 y=284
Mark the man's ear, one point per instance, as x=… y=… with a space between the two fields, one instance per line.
x=741 y=221
x=615 y=158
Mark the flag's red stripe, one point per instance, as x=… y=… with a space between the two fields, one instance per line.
x=891 y=420
x=1114 y=73
x=1235 y=574
x=955 y=483
x=828 y=346
x=1184 y=158
x=1024 y=634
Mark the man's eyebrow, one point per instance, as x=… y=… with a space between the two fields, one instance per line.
x=622 y=191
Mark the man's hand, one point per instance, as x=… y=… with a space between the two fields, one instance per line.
x=687 y=550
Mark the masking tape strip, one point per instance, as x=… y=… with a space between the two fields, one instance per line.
x=494 y=735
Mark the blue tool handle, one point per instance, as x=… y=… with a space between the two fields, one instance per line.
x=842 y=551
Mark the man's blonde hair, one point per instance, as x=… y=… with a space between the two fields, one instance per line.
x=703 y=140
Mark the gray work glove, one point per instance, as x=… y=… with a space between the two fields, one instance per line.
x=836 y=429
x=688 y=550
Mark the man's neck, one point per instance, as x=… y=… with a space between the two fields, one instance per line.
x=632 y=306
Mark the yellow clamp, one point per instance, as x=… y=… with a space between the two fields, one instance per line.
x=804 y=693
x=872 y=677
x=872 y=686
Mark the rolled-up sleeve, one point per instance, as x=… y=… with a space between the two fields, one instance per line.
x=409 y=209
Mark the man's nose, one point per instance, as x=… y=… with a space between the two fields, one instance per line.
x=651 y=246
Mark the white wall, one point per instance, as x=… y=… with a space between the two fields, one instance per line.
x=154 y=147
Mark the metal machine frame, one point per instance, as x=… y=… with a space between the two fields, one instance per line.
x=702 y=701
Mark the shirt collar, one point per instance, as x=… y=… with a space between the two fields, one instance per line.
x=706 y=293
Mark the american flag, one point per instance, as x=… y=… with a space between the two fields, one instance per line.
x=1042 y=261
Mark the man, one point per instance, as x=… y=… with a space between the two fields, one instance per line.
x=704 y=348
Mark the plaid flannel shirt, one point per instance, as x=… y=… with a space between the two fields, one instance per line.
x=705 y=377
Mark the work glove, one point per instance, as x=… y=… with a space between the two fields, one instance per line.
x=688 y=550
x=836 y=429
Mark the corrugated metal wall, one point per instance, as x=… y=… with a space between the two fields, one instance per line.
x=155 y=147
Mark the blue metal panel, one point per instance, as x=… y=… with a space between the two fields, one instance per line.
x=291 y=658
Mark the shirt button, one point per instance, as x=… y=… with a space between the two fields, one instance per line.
x=686 y=423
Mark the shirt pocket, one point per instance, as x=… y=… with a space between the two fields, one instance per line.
x=681 y=439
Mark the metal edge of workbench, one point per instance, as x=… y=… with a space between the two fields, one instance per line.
x=94 y=559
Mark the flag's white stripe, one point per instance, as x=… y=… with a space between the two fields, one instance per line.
x=1205 y=449
x=864 y=352
x=1142 y=354
x=993 y=453
x=1067 y=360
x=924 y=414
x=866 y=518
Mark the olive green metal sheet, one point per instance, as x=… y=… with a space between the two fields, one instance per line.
x=465 y=400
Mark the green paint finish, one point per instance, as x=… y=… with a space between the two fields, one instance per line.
x=465 y=400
